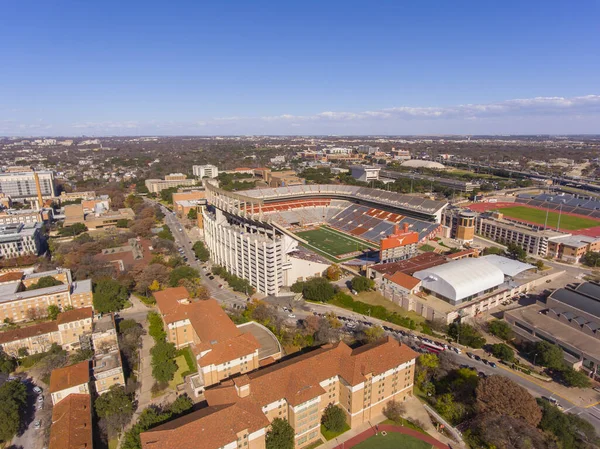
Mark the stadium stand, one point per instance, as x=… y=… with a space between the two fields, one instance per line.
x=570 y=203
x=411 y=204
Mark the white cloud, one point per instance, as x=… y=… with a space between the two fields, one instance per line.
x=539 y=114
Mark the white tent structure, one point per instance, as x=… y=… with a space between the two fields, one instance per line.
x=462 y=279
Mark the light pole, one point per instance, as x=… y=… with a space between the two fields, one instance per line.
x=534 y=357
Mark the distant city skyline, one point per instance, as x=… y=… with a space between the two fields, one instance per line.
x=286 y=68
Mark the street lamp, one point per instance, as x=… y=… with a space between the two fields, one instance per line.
x=536 y=354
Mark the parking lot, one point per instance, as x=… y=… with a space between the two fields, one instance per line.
x=35 y=431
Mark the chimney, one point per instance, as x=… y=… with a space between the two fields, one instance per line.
x=396 y=229
x=405 y=227
x=242 y=385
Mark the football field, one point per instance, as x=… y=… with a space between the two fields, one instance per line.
x=331 y=243
x=538 y=216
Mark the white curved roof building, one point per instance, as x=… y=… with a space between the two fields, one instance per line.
x=461 y=280
x=418 y=163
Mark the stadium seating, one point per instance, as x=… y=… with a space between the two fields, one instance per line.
x=570 y=203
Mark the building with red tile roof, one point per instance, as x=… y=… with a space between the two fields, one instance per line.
x=72 y=423
x=68 y=380
x=221 y=349
x=360 y=381
x=64 y=331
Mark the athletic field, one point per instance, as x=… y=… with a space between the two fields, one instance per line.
x=332 y=244
x=538 y=216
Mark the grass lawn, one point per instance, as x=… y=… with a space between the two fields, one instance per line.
x=331 y=243
x=377 y=299
x=393 y=440
x=313 y=445
x=331 y=435
x=181 y=367
x=190 y=360
x=113 y=444
x=538 y=216
x=426 y=247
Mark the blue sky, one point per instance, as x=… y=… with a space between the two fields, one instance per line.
x=310 y=67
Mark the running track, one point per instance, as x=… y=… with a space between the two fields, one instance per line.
x=483 y=207
x=389 y=428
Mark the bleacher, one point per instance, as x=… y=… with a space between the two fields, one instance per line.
x=565 y=202
x=407 y=202
x=374 y=224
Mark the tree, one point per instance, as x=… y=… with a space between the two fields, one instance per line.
x=13 y=399
x=362 y=284
x=493 y=250
x=82 y=354
x=44 y=282
x=539 y=265
x=318 y=289
x=163 y=363
x=591 y=259
x=182 y=272
x=571 y=431
x=502 y=396
x=394 y=410
x=7 y=363
x=491 y=430
x=466 y=334
x=334 y=418
x=373 y=333
x=192 y=214
x=514 y=251
x=53 y=311
x=549 y=355
x=201 y=251
x=333 y=272
x=503 y=352
x=123 y=223
x=73 y=230
x=280 y=435
x=156 y=328
x=155 y=286
x=500 y=329
x=574 y=378
x=115 y=408
x=109 y=295
x=181 y=405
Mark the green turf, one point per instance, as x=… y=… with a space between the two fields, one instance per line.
x=331 y=243
x=393 y=440
x=538 y=216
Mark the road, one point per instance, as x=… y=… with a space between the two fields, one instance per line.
x=301 y=310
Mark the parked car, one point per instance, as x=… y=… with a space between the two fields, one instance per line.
x=37 y=389
x=291 y=315
x=470 y=355
x=37 y=424
x=211 y=277
x=492 y=364
x=40 y=398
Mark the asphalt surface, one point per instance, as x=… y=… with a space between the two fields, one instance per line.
x=301 y=310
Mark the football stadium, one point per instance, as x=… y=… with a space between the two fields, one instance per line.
x=275 y=236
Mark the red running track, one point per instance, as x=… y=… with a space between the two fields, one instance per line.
x=484 y=207
x=390 y=428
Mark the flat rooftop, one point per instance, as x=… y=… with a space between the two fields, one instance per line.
x=33 y=293
x=103 y=324
x=410 y=266
x=558 y=330
x=269 y=346
x=106 y=362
